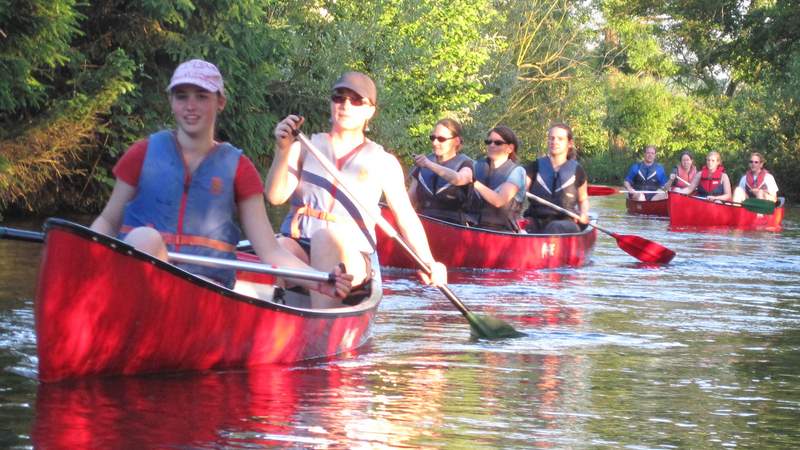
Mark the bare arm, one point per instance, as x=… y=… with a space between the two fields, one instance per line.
x=583 y=202
x=258 y=229
x=282 y=179
x=692 y=186
x=407 y=220
x=110 y=220
x=456 y=178
x=726 y=189
x=498 y=198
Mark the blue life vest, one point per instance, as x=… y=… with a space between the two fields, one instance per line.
x=436 y=197
x=556 y=187
x=193 y=212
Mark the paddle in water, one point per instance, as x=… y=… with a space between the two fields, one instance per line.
x=481 y=326
x=640 y=248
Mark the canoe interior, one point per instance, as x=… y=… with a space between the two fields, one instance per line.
x=104 y=308
x=648 y=208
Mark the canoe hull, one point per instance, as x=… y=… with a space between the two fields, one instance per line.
x=648 y=208
x=465 y=247
x=692 y=212
x=103 y=308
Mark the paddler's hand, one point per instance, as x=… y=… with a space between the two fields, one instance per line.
x=283 y=131
x=584 y=218
x=342 y=284
x=421 y=161
x=438 y=275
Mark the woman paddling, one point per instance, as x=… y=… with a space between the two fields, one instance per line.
x=499 y=187
x=323 y=227
x=712 y=182
x=178 y=190
x=559 y=179
x=440 y=181
x=757 y=182
x=683 y=174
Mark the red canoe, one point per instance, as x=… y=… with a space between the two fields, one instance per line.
x=694 y=212
x=103 y=308
x=460 y=246
x=648 y=207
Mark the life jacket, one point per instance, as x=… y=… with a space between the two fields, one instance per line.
x=711 y=183
x=754 y=182
x=318 y=202
x=683 y=178
x=192 y=212
x=556 y=187
x=481 y=212
x=646 y=178
x=436 y=197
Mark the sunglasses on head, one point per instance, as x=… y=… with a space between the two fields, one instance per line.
x=339 y=99
x=497 y=143
x=433 y=137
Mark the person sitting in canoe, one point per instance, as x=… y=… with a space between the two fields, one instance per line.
x=323 y=226
x=683 y=174
x=178 y=190
x=712 y=182
x=560 y=179
x=646 y=175
x=440 y=181
x=757 y=182
x=498 y=191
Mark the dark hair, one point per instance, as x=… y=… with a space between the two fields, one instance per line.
x=685 y=153
x=507 y=136
x=571 y=153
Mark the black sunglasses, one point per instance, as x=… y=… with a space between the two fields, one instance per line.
x=755 y=162
x=497 y=143
x=355 y=101
x=433 y=137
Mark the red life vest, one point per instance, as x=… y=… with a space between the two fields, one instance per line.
x=753 y=182
x=684 y=177
x=711 y=183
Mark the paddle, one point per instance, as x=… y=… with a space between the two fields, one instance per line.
x=597 y=190
x=640 y=248
x=37 y=236
x=756 y=205
x=622 y=191
x=481 y=326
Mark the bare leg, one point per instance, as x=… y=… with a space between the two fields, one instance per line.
x=148 y=240
x=739 y=195
x=328 y=250
x=659 y=196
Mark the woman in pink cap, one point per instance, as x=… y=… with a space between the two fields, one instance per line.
x=178 y=190
x=323 y=227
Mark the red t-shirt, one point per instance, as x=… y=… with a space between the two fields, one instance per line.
x=246 y=183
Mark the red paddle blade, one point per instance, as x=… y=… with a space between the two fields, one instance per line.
x=596 y=190
x=643 y=249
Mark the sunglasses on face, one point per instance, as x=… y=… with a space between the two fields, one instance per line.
x=355 y=101
x=755 y=162
x=492 y=142
x=433 y=137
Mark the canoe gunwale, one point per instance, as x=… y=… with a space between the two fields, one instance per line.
x=126 y=249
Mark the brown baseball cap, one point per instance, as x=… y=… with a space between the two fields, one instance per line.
x=359 y=83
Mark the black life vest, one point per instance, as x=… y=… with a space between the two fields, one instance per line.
x=436 y=197
x=646 y=178
x=482 y=213
x=557 y=187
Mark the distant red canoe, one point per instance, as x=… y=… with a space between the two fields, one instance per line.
x=647 y=207
x=694 y=212
x=103 y=308
x=460 y=246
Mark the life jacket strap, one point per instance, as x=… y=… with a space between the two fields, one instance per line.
x=306 y=210
x=186 y=239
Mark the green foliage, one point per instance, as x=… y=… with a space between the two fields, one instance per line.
x=34 y=40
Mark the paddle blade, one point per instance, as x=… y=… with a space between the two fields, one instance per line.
x=759 y=206
x=487 y=327
x=597 y=190
x=643 y=249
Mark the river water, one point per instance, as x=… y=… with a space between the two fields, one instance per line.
x=702 y=353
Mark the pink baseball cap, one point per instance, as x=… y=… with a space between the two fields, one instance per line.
x=198 y=73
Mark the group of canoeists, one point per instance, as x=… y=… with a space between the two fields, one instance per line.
x=646 y=180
